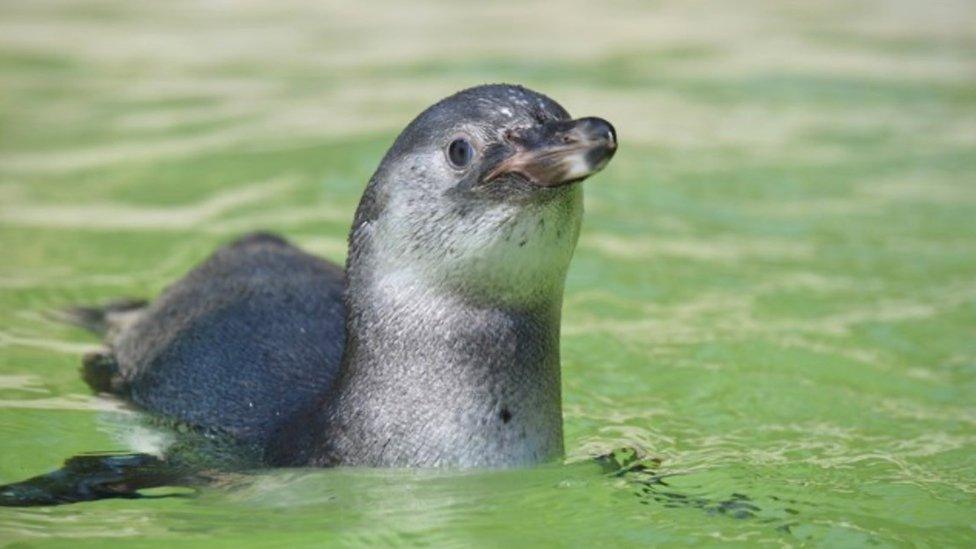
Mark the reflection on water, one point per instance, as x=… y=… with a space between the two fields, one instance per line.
x=773 y=295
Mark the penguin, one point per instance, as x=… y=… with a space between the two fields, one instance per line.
x=438 y=343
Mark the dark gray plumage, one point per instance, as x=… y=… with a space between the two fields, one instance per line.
x=445 y=349
x=241 y=343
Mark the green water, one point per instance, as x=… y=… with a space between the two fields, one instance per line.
x=774 y=292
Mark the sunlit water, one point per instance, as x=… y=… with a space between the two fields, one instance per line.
x=774 y=293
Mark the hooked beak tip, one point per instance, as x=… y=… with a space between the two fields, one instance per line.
x=561 y=152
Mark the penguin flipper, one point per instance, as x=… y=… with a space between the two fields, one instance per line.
x=90 y=477
x=100 y=370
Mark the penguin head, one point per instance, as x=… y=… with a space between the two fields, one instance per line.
x=480 y=194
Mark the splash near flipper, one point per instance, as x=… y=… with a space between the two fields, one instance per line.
x=644 y=473
x=101 y=319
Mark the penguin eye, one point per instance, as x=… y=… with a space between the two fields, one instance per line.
x=460 y=152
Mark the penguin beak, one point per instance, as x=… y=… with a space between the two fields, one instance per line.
x=558 y=152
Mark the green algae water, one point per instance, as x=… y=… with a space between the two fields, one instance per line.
x=773 y=298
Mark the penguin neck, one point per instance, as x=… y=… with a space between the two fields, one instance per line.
x=448 y=379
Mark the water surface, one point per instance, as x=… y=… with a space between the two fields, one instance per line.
x=774 y=292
